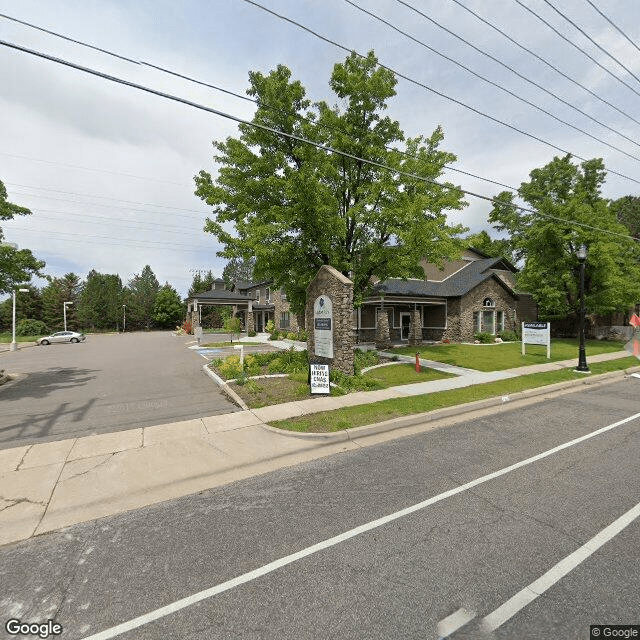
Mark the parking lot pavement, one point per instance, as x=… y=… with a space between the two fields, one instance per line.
x=108 y=383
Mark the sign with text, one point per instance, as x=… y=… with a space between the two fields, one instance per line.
x=319 y=378
x=323 y=327
x=537 y=333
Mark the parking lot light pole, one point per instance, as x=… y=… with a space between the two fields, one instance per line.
x=14 y=345
x=64 y=306
x=582 y=367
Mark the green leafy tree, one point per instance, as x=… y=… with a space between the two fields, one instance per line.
x=16 y=265
x=100 y=301
x=627 y=212
x=295 y=207
x=28 y=307
x=563 y=194
x=168 y=309
x=238 y=270
x=54 y=295
x=496 y=248
x=140 y=297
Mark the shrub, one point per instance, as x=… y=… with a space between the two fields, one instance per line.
x=302 y=335
x=276 y=366
x=251 y=366
x=270 y=327
x=292 y=336
x=31 y=328
x=233 y=325
x=187 y=327
x=365 y=359
x=484 y=338
x=508 y=336
x=274 y=335
x=252 y=334
x=230 y=368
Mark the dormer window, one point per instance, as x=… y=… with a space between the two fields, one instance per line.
x=268 y=294
x=488 y=302
x=257 y=295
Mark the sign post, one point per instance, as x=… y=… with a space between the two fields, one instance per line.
x=536 y=333
x=319 y=379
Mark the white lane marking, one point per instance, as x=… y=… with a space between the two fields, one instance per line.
x=558 y=571
x=452 y=623
x=330 y=542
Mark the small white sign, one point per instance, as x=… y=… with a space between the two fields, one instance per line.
x=537 y=333
x=319 y=378
x=323 y=327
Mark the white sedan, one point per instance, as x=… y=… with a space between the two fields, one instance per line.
x=63 y=336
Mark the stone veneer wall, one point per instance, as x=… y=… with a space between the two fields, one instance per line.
x=331 y=283
x=282 y=306
x=460 y=318
x=415 y=327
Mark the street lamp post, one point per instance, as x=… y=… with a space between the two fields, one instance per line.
x=14 y=345
x=582 y=367
x=124 y=318
x=64 y=307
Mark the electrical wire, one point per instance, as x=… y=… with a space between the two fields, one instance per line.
x=586 y=35
x=575 y=46
x=614 y=25
x=499 y=86
x=546 y=62
x=229 y=92
x=291 y=136
x=428 y=88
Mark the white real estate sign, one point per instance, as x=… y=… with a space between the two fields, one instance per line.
x=537 y=333
x=319 y=378
x=323 y=327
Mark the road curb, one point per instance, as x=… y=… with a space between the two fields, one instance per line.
x=225 y=388
x=552 y=390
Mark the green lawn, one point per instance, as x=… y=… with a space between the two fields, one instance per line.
x=397 y=374
x=495 y=357
x=6 y=337
x=348 y=417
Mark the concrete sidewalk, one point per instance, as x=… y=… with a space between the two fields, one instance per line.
x=52 y=485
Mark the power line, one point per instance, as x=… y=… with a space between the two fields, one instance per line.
x=544 y=61
x=291 y=136
x=614 y=25
x=228 y=92
x=586 y=35
x=575 y=46
x=77 y=166
x=497 y=85
x=89 y=195
x=428 y=88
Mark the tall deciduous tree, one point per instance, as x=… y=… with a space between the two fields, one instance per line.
x=564 y=194
x=496 y=248
x=168 y=309
x=295 y=207
x=238 y=270
x=100 y=301
x=54 y=295
x=627 y=211
x=17 y=266
x=140 y=298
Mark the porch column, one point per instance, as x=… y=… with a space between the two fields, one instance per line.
x=251 y=325
x=415 y=328
x=383 y=341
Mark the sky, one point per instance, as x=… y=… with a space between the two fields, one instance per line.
x=107 y=170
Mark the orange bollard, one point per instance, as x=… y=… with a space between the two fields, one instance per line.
x=418 y=362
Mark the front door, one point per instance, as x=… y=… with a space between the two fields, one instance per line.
x=405 y=322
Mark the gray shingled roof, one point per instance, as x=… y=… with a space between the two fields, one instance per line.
x=454 y=286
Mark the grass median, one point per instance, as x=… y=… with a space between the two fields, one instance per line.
x=507 y=355
x=349 y=417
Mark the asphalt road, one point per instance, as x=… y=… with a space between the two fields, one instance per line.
x=107 y=383
x=474 y=549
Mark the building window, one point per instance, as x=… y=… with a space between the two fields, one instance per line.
x=488 y=302
x=477 y=327
x=257 y=295
x=500 y=320
x=268 y=295
x=283 y=295
x=285 y=320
